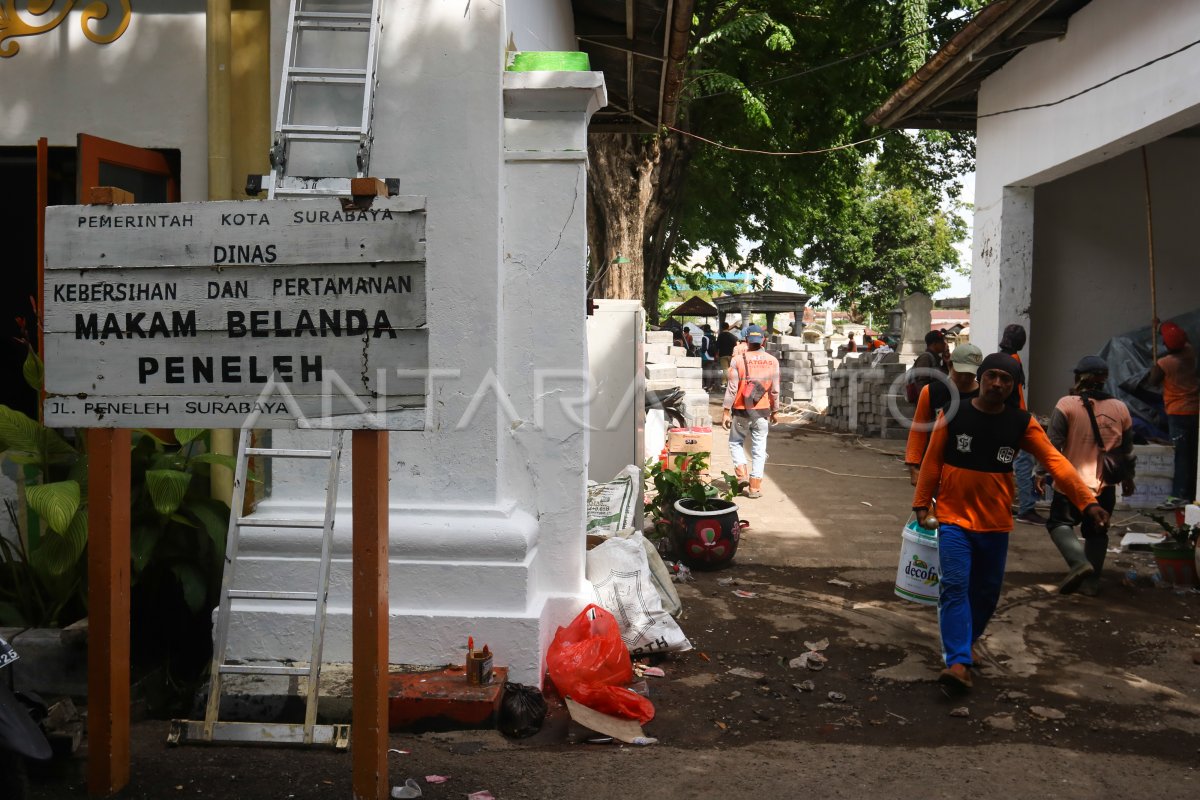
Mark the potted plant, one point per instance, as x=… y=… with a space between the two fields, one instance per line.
x=699 y=520
x=1176 y=555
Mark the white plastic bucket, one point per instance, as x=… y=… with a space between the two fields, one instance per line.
x=918 y=575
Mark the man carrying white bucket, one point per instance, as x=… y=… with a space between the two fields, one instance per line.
x=968 y=466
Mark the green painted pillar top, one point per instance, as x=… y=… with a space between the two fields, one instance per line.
x=550 y=61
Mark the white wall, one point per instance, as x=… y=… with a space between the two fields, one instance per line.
x=1029 y=148
x=147 y=88
x=541 y=24
x=1091 y=274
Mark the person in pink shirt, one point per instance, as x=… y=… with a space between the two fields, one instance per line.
x=1085 y=424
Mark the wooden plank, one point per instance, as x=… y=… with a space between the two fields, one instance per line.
x=332 y=412
x=227 y=233
x=397 y=288
x=108 y=611
x=210 y=363
x=368 y=187
x=109 y=195
x=369 y=729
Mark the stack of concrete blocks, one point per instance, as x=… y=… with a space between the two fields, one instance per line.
x=859 y=399
x=804 y=371
x=668 y=367
x=1155 y=472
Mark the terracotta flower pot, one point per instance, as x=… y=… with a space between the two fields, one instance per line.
x=706 y=538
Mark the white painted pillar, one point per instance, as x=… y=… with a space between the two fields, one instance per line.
x=1002 y=272
x=543 y=315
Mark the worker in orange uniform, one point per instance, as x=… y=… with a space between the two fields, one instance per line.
x=968 y=467
x=1176 y=373
x=751 y=404
x=939 y=395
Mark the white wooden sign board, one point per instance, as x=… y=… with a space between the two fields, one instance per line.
x=269 y=314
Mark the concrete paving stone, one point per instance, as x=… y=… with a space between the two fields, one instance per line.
x=659 y=337
x=660 y=372
x=656 y=348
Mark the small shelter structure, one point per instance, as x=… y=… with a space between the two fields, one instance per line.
x=694 y=306
x=766 y=301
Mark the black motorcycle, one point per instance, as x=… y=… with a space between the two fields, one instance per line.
x=20 y=736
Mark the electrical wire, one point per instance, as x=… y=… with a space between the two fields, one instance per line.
x=777 y=152
x=1081 y=92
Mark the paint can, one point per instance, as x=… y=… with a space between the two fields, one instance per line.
x=918 y=575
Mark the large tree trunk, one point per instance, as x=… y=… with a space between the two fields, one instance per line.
x=635 y=187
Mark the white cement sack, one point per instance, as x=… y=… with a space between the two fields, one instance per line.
x=611 y=505
x=659 y=573
x=620 y=576
x=655 y=435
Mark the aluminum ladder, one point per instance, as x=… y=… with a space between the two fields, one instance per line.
x=326 y=66
x=212 y=729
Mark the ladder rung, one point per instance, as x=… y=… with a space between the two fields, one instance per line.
x=322 y=132
x=252 y=594
x=358 y=75
x=267 y=522
x=277 y=452
x=315 y=21
x=359 y=16
x=187 y=730
x=354 y=81
x=256 y=669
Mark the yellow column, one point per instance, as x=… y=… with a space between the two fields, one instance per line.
x=220 y=177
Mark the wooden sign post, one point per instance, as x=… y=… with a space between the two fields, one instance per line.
x=298 y=313
x=369 y=727
x=108 y=610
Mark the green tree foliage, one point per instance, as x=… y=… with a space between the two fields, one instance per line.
x=786 y=76
x=886 y=237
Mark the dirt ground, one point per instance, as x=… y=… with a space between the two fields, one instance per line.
x=1077 y=698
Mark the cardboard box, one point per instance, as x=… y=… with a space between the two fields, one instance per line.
x=689 y=440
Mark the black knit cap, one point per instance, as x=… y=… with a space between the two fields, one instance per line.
x=1001 y=361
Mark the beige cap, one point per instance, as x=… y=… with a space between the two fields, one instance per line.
x=966 y=358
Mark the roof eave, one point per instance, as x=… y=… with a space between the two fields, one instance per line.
x=959 y=56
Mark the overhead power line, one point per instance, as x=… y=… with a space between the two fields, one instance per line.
x=1092 y=88
x=731 y=148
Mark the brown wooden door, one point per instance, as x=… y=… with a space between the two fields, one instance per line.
x=145 y=173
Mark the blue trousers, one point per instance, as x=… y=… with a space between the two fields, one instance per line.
x=758 y=429
x=972 y=574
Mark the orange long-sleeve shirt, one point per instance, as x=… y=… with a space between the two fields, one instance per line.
x=918 y=434
x=968 y=466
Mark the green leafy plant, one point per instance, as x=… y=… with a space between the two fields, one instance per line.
x=1182 y=537
x=177 y=532
x=683 y=477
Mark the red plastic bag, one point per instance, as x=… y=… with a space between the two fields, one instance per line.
x=588 y=662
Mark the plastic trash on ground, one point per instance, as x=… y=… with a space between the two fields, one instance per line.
x=590 y=664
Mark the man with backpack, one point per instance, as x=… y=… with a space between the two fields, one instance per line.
x=1094 y=431
x=751 y=404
